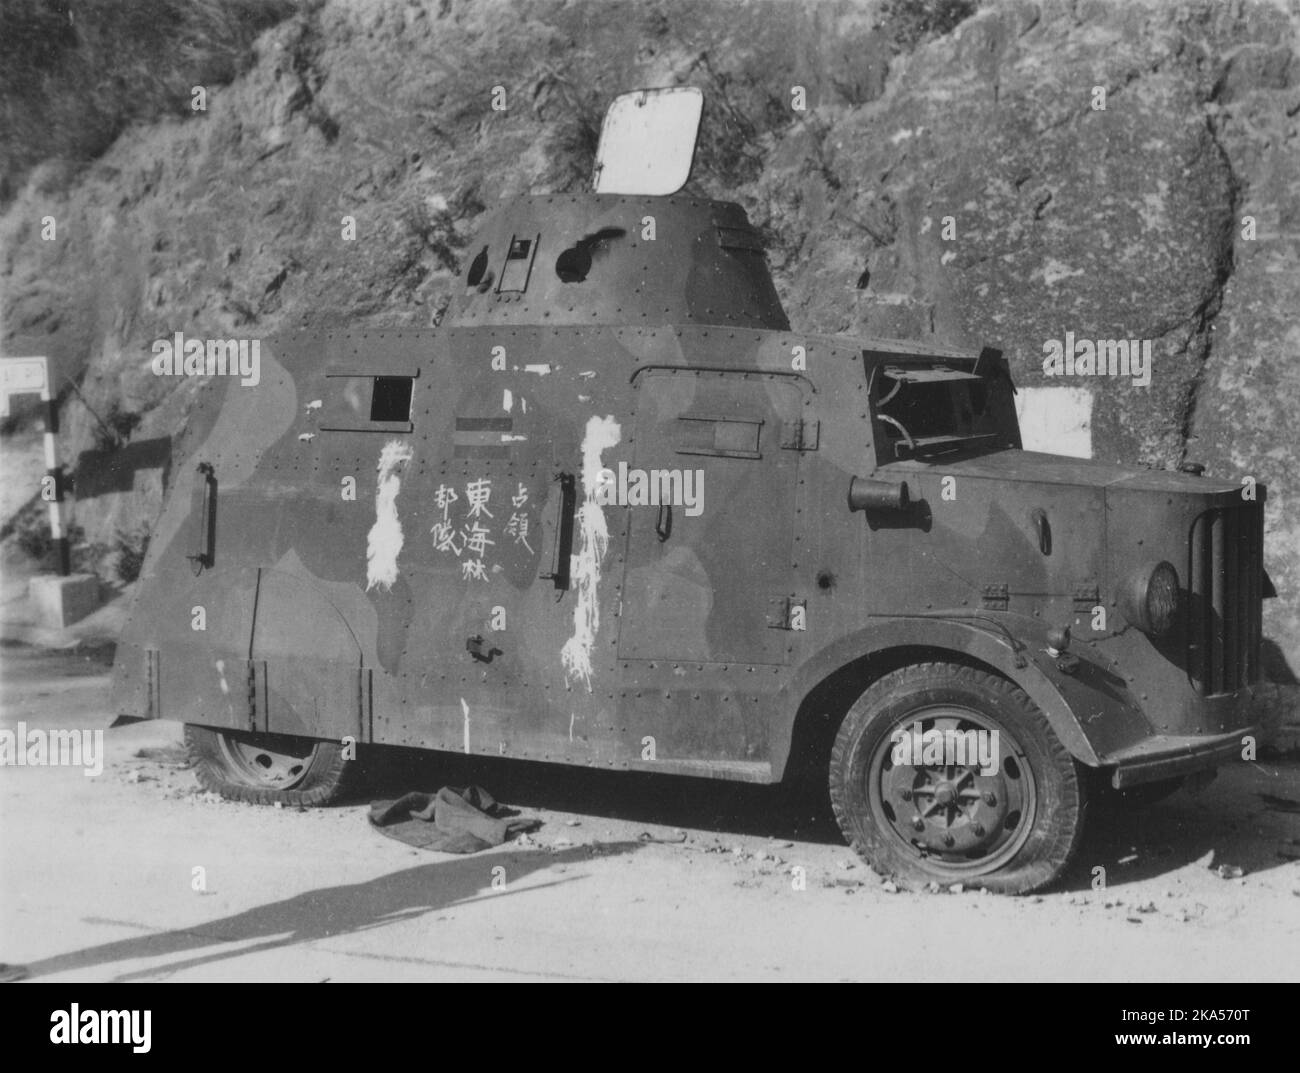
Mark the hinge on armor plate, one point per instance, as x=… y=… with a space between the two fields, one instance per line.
x=800 y=435
x=257 y=694
x=152 y=685
x=252 y=694
x=1086 y=597
x=994 y=598
x=740 y=238
x=787 y=613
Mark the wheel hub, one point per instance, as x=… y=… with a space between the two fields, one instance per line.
x=272 y=761
x=959 y=814
x=948 y=810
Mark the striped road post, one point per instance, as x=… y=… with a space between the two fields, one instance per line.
x=25 y=376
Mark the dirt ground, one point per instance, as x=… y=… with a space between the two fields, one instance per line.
x=630 y=877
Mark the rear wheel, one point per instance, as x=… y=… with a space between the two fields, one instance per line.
x=989 y=797
x=267 y=769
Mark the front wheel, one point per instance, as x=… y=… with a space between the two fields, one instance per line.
x=948 y=774
x=269 y=769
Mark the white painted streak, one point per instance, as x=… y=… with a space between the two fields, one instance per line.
x=602 y=433
x=540 y=370
x=465 y=708
x=507 y=437
x=385 y=539
x=315 y=404
x=507 y=400
x=572 y=717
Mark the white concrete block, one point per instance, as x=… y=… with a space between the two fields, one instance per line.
x=61 y=601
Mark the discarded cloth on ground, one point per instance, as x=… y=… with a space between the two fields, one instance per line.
x=453 y=820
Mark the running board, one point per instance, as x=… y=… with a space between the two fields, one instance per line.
x=733 y=770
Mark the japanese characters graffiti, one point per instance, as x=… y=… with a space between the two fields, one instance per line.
x=467 y=530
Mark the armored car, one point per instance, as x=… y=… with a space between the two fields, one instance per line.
x=615 y=512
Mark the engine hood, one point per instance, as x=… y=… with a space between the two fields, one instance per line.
x=1048 y=536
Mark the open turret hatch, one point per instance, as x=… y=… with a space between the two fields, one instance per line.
x=647 y=142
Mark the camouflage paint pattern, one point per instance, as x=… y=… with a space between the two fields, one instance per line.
x=582 y=343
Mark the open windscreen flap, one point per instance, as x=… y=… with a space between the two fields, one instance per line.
x=376 y=399
x=927 y=374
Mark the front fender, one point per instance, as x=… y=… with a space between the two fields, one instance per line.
x=1091 y=711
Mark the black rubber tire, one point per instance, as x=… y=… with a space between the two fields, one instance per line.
x=1055 y=829
x=326 y=776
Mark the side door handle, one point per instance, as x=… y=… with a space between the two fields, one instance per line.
x=1044 y=529
x=560 y=558
x=664 y=523
x=205 y=555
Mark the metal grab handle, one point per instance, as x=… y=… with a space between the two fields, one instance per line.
x=559 y=572
x=664 y=523
x=1039 y=517
x=907 y=436
x=207 y=520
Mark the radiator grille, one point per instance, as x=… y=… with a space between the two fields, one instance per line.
x=1225 y=592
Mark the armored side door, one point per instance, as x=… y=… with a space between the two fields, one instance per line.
x=710 y=579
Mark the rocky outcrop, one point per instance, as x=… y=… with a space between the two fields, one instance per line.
x=967 y=187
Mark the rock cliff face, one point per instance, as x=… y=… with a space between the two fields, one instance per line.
x=965 y=186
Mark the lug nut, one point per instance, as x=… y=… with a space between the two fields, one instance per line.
x=978 y=829
x=918 y=824
x=906 y=795
x=948 y=840
x=990 y=798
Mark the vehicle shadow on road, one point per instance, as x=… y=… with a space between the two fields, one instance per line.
x=332 y=911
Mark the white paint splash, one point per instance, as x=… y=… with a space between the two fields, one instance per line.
x=465 y=708
x=602 y=433
x=507 y=437
x=306 y=437
x=385 y=539
x=507 y=400
x=225 y=686
x=543 y=369
x=315 y=404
